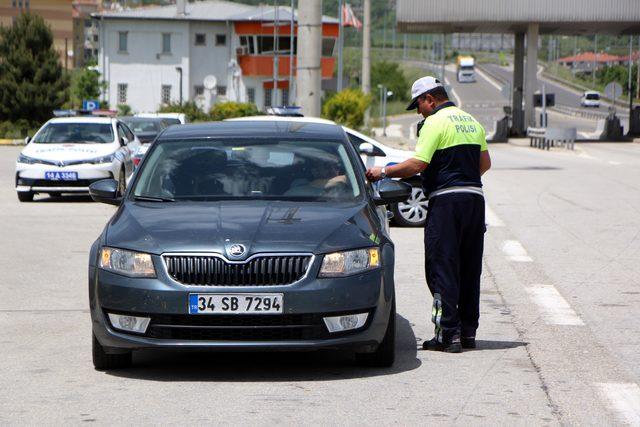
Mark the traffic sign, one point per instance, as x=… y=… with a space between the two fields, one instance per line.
x=613 y=90
x=90 y=104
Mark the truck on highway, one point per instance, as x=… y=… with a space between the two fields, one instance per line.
x=465 y=71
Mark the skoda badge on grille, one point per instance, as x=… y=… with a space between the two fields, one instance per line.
x=237 y=250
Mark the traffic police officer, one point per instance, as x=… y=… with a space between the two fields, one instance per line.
x=451 y=155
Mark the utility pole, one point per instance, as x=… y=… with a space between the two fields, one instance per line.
x=292 y=43
x=595 y=61
x=276 y=23
x=340 y=45
x=366 y=52
x=442 y=56
x=629 y=82
x=575 y=53
x=310 y=43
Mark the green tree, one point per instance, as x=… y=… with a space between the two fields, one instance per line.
x=124 y=110
x=86 y=84
x=189 y=108
x=228 y=110
x=347 y=107
x=390 y=75
x=32 y=83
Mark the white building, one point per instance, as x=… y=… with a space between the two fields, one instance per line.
x=155 y=55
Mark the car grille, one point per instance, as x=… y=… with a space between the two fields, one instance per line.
x=286 y=327
x=207 y=270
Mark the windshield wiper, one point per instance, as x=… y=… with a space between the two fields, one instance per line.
x=153 y=199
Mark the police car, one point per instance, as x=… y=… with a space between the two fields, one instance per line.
x=67 y=154
x=413 y=212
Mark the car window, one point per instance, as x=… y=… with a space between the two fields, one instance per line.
x=128 y=132
x=248 y=169
x=121 y=133
x=593 y=96
x=144 y=126
x=75 y=132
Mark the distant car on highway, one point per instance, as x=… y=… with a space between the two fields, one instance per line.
x=245 y=236
x=409 y=213
x=590 y=98
x=67 y=154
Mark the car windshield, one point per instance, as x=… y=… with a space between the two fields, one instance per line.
x=593 y=96
x=143 y=126
x=248 y=169
x=75 y=133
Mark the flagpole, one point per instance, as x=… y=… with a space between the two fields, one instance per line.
x=340 y=44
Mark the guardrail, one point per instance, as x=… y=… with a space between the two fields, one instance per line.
x=545 y=138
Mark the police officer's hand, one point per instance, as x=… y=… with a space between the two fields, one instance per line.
x=374 y=174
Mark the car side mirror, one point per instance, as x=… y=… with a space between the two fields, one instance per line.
x=27 y=140
x=123 y=141
x=105 y=191
x=369 y=149
x=391 y=191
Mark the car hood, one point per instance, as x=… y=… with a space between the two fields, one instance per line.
x=261 y=226
x=55 y=152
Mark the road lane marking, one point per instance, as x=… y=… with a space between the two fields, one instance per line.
x=555 y=309
x=491 y=81
x=515 y=251
x=624 y=398
x=490 y=217
x=453 y=92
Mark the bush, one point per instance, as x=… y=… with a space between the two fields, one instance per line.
x=347 y=107
x=124 y=110
x=16 y=130
x=230 y=109
x=189 y=109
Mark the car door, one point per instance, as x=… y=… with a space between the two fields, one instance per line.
x=126 y=149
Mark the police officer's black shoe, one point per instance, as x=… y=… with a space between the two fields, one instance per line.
x=435 y=345
x=468 y=342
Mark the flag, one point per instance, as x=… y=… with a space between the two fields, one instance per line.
x=349 y=18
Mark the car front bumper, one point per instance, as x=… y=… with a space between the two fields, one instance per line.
x=31 y=178
x=300 y=327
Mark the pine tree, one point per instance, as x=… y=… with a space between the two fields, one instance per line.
x=32 y=82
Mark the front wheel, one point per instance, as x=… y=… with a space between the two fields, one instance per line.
x=413 y=212
x=103 y=361
x=385 y=354
x=25 y=196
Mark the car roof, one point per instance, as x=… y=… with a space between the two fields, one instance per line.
x=591 y=92
x=283 y=119
x=81 y=119
x=255 y=129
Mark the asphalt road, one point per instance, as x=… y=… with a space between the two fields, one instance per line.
x=558 y=343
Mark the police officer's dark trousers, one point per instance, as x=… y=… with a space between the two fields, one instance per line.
x=454 y=241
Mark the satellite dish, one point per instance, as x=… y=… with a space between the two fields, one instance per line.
x=210 y=82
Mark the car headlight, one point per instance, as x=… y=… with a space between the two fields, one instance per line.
x=27 y=160
x=350 y=262
x=129 y=263
x=103 y=159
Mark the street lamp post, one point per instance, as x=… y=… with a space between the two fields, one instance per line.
x=386 y=94
x=179 y=70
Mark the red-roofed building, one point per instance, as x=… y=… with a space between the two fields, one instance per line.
x=585 y=62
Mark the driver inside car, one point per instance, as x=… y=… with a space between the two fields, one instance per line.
x=324 y=176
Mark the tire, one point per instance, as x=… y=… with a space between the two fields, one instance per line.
x=122 y=183
x=413 y=212
x=25 y=196
x=103 y=361
x=385 y=354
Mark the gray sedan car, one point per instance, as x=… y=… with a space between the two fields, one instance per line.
x=245 y=236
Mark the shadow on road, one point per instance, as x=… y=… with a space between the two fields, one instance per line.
x=498 y=345
x=267 y=366
x=78 y=198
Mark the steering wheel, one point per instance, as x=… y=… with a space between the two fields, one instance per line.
x=336 y=190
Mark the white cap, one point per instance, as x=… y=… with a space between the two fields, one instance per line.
x=420 y=86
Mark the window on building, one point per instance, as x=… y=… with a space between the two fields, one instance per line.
x=265 y=44
x=165 y=95
x=285 y=96
x=166 y=43
x=222 y=90
x=248 y=43
x=221 y=39
x=122 y=41
x=201 y=39
x=13 y=3
x=251 y=95
x=327 y=46
x=87 y=23
x=95 y=37
x=122 y=93
x=27 y=5
x=198 y=90
x=267 y=97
